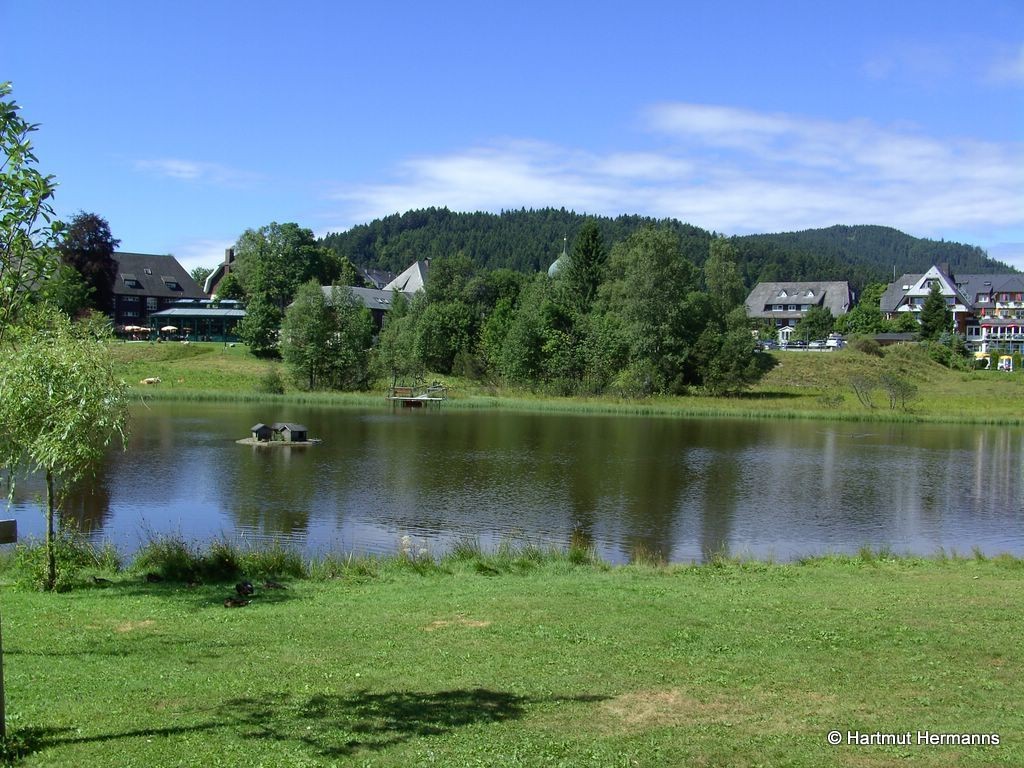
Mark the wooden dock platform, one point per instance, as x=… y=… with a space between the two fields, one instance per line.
x=418 y=396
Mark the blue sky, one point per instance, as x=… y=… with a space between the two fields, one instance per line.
x=185 y=123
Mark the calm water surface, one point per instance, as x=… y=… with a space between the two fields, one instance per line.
x=678 y=488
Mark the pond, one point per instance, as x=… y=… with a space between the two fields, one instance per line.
x=678 y=489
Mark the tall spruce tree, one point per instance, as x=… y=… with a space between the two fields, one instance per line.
x=936 y=317
x=585 y=269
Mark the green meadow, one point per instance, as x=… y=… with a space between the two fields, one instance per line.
x=800 y=385
x=524 y=658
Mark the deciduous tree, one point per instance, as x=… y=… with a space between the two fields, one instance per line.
x=29 y=229
x=259 y=327
x=88 y=247
x=325 y=340
x=199 y=274
x=817 y=323
x=62 y=406
x=722 y=276
x=274 y=260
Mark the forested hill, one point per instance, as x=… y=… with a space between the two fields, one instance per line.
x=523 y=240
x=861 y=254
x=529 y=240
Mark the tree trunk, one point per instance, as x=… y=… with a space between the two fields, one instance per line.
x=51 y=556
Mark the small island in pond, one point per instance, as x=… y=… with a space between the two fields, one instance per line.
x=279 y=433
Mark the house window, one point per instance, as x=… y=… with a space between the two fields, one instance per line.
x=129 y=313
x=791 y=307
x=777 y=307
x=151 y=303
x=129 y=299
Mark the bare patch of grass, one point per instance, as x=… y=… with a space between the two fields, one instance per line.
x=643 y=710
x=458 y=621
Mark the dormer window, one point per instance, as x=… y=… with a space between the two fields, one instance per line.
x=147 y=270
x=171 y=283
x=783 y=294
x=130 y=281
x=810 y=294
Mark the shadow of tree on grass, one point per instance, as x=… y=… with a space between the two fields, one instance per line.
x=334 y=725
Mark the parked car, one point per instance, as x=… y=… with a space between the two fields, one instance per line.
x=817 y=344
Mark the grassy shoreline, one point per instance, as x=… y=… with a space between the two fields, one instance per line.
x=526 y=660
x=803 y=385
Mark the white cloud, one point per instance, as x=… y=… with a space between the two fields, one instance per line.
x=1009 y=68
x=731 y=170
x=197 y=171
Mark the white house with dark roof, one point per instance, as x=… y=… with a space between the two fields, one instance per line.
x=784 y=304
x=988 y=310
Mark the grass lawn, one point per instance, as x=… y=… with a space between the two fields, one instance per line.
x=801 y=385
x=526 y=662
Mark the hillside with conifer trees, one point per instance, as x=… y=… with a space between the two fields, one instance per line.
x=530 y=240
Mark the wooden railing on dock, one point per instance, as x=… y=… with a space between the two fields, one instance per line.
x=418 y=395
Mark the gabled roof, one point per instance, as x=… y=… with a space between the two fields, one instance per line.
x=974 y=285
x=145 y=274
x=412 y=280
x=833 y=295
x=895 y=292
x=277 y=426
x=376 y=278
x=967 y=287
x=371 y=298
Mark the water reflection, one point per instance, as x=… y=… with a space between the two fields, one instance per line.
x=669 y=488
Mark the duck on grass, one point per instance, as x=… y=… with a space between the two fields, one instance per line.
x=279 y=433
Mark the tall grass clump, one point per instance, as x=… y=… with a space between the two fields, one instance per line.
x=273 y=560
x=350 y=566
x=175 y=560
x=76 y=558
x=168 y=556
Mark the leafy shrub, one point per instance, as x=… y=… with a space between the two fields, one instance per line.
x=270 y=382
x=866 y=346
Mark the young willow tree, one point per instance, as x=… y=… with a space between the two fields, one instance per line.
x=61 y=407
